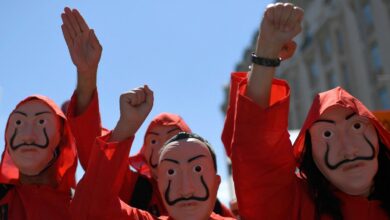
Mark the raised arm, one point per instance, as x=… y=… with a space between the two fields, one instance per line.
x=280 y=24
x=261 y=151
x=85 y=51
x=97 y=194
x=83 y=112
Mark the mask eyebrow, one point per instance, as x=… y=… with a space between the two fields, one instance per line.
x=325 y=120
x=170 y=160
x=152 y=132
x=40 y=113
x=174 y=129
x=19 y=112
x=194 y=158
x=350 y=116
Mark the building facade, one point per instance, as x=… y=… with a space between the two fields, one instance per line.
x=343 y=43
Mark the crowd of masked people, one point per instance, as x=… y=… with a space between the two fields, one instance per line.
x=338 y=167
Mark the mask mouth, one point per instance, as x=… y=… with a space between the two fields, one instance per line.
x=33 y=144
x=56 y=153
x=183 y=199
x=352 y=166
x=345 y=161
x=154 y=166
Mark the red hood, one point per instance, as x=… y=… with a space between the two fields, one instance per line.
x=65 y=164
x=138 y=162
x=331 y=98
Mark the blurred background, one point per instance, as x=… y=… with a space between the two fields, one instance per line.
x=186 y=50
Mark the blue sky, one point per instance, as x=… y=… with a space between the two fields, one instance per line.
x=184 y=50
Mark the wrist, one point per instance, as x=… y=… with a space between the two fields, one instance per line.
x=122 y=130
x=87 y=74
x=268 y=48
x=86 y=83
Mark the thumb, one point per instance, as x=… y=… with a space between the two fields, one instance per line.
x=149 y=95
x=288 y=50
x=94 y=39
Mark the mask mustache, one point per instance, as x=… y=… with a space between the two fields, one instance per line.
x=154 y=166
x=337 y=165
x=43 y=146
x=171 y=203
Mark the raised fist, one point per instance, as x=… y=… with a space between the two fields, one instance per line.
x=280 y=24
x=135 y=106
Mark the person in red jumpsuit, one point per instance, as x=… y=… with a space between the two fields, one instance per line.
x=186 y=171
x=139 y=188
x=342 y=151
x=38 y=165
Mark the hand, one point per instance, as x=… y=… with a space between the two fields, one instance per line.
x=85 y=51
x=280 y=24
x=84 y=47
x=135 y=106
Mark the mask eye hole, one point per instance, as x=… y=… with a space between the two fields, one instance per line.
x=357 y=126
x=171 y=172
x=197 y=169
x=18 y=122
x=42 y=121
x=153 y=141
x=327 y=134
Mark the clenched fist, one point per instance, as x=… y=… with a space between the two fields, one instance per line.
x=135 y=106
x=280 y=24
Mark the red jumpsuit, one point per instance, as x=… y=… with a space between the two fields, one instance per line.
x=138 y=187
x=37 y=202
x=97 y=193
x=264 y=160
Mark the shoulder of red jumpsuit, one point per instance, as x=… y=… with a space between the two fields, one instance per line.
x=138 y=162
x=66 y=163
x=280 y=90
x=332 y=98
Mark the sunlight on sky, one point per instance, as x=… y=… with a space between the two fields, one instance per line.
x=184 y=50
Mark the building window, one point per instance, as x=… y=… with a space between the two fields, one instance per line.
x=326 y=49
x=314 y=74
x=332 y=79
x=345 y=77
x=388 y=6
x=384 y=97
x=295 y=85
x=376 y=61
x=367 y=15
x=340 y=41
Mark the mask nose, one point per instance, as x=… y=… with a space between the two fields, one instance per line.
x=350 y=156
x=27 y=133
x=187 y=187
x=349 y=148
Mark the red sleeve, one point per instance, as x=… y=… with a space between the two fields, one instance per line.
x=97 y=193
x=262 y=158
x=85 y=127
x=227 y=133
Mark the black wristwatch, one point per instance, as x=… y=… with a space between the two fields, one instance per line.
x=265 y=61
